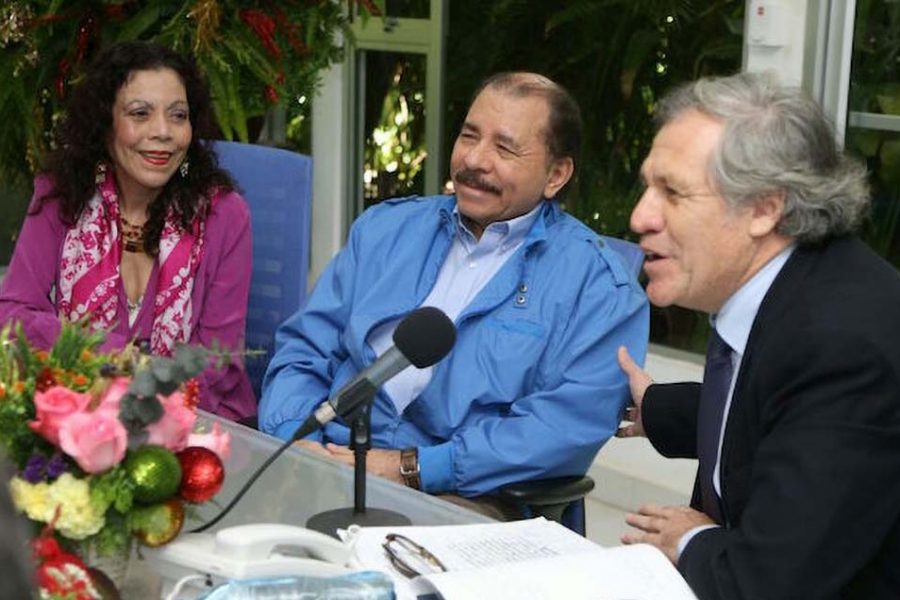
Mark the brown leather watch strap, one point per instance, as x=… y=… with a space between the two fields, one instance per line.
x=409 y=468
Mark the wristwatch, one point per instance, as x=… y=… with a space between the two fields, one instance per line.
x=409 y=468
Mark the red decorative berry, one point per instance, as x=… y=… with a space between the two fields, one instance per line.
x=191 y=393
x=45 y=380
x=202 y=474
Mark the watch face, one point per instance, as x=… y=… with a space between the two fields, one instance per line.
x=409 y=463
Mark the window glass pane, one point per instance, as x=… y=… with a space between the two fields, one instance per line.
x=881 y=151
x=875 y=71
x=875 y=88
x=394 y=158
x=408 y=9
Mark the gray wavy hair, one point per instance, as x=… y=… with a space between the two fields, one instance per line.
x=776 y=139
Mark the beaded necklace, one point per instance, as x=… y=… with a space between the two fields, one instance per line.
x=132 y=236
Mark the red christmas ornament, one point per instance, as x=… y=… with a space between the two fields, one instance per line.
x=202 y=474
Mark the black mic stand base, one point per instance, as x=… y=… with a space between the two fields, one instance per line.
x=330 y=521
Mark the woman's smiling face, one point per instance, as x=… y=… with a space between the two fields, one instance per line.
x=151 y=132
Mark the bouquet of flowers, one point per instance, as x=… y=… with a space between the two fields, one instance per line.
x=104 y=444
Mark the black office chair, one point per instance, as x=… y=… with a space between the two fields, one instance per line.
x=561 y=499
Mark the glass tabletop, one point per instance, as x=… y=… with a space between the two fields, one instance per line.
x=296 y=486
x=300 y=484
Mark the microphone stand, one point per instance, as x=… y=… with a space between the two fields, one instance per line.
x=330 y=521
x=360 y=442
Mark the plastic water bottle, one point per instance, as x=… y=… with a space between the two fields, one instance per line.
x=364 y=585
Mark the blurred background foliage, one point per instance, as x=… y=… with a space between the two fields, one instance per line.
x=395 y=117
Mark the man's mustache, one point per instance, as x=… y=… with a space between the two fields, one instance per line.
x=473 y=179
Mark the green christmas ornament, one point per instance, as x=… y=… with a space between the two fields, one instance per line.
x=158 y=524
x=155 y=472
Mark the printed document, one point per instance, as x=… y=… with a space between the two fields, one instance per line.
x=530 y=560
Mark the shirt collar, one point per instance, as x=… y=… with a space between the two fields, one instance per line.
x=511 y=231
x=734 y=321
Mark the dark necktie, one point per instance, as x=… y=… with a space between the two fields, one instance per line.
x=713 y=393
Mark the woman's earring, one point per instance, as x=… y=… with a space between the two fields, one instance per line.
x=100 y=173
x=183 y=169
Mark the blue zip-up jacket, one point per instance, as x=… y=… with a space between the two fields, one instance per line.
x=531 y=389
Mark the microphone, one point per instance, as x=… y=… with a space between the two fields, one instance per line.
x=422 y=338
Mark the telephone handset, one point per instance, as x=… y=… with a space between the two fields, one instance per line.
x=251 y=551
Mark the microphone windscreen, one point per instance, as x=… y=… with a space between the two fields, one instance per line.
x=425 y=336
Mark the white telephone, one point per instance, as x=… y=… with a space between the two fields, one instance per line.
x=245 y=552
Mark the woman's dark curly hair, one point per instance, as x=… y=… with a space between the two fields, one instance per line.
x=83 y=134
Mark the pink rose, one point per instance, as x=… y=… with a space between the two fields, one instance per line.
x=53 y=407
x=96 y=440
x=173 y=428
x=112 y=397
x=216 y=440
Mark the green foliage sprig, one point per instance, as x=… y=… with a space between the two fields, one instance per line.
x=158 y=375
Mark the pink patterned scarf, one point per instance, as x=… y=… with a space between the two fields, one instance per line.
x=89 y=270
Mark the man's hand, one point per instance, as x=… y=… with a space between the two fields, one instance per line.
x=313 y=446
x=381 y=462
x=663 y=526
x=638 y=382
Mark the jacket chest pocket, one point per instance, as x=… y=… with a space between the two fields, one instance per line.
x=508 y=351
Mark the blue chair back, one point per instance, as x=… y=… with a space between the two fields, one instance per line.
x=277 y=185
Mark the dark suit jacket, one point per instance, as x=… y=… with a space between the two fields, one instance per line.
x=810 y=465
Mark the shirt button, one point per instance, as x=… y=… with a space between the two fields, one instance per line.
x=523 y=288
x=520 y=299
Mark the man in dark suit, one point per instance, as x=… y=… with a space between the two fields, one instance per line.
x=748 y=216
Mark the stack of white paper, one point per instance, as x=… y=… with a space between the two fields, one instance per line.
x=529 y=560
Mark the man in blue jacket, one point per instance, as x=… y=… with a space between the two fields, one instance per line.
x=531 y=388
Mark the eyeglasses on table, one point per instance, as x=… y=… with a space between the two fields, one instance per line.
x=401 y=551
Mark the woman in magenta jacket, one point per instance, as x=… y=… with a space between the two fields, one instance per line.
x=134 y=227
